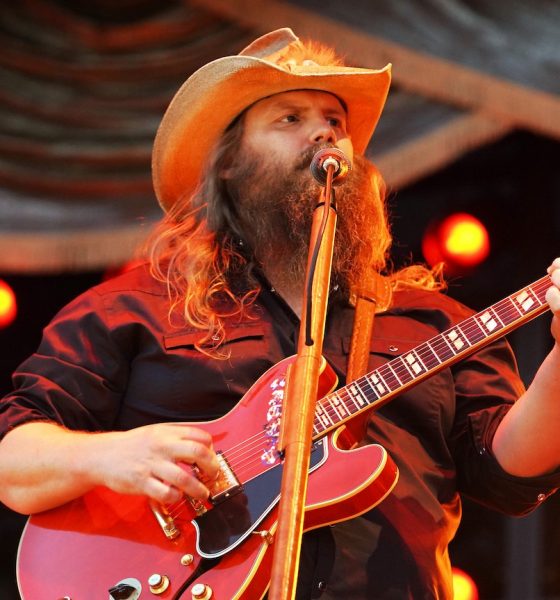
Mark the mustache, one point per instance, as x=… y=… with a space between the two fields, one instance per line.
x=304 y=159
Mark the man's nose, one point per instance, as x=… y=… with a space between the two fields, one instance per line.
x=323 y=133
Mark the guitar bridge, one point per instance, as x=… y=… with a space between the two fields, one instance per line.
x=224 y=486
x=165 y=520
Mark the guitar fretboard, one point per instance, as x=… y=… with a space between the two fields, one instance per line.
x=408 y=369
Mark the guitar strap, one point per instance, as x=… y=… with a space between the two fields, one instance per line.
x=374 y=296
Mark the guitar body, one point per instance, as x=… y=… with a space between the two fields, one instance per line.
x=83 y=549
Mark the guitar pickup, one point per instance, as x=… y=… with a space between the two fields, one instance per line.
x=226 y=483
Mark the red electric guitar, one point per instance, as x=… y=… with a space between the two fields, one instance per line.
x=105 y=545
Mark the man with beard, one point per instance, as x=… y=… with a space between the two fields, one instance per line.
x=184 y=338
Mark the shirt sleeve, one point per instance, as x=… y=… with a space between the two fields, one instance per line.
x=75 y=378
x=486 y=386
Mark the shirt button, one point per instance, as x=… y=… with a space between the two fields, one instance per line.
x=541 y=497
x=393 y=348
x=322 y=586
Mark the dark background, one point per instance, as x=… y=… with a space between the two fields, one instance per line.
x=513 y=187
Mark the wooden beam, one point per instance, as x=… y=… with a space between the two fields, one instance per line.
x=414 y=71
x=78 y=250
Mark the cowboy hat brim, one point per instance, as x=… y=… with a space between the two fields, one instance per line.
x=217 y=93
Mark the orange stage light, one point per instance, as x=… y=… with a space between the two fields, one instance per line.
x=8 y=306
x=460 y=240
x=464 y=587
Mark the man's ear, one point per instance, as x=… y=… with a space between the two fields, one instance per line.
x=227 y=163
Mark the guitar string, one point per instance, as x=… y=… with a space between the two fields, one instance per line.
x=505 y=309
x=508 y=313
x=240 y=470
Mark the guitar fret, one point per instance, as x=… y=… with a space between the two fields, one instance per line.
x=388 y=377
x=429 y=356
x=526 y=299
x=494 y=310
x=515 y=305
x=398 y=365
x=422 y=359
x=334 y=407
x=371 y=382
x=456 y=339
x=462 y=332
x=415 y=363
x=377 y=383
x=442 y=336
x=383 y=379
x=472 y=334
x=432 y=350
x=357 y=396
x=487 y=322
x=536 y=296
x=407 y=367
x=399 y=381
x=323 y=416
x=341 y=404
x=539 y=292
x=439 y=348
x=501 y=310
x=480 y=328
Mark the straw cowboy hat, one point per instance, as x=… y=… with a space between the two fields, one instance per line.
x=214 y=95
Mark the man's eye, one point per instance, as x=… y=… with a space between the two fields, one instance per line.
x=334 y=122
x=290 y=118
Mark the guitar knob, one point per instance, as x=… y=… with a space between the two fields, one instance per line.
x=158 y=583
x=201 y=591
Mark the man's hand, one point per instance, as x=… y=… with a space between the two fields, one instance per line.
x=152 y=460
x=43 y=465
x=553 y=298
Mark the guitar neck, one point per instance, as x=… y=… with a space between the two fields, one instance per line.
x=383 y=384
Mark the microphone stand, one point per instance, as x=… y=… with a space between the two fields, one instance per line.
x=298 y=408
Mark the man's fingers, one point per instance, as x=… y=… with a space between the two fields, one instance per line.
x=553 y=299
x=196 y=434
x=196 y=453
x=554 y=266
x=162 y=492
x=183 y=479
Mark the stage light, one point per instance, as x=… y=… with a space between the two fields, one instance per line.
x=8 y=306
x=460 y=240
x=464 y=587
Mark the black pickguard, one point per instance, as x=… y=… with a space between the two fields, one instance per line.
x=228 y=523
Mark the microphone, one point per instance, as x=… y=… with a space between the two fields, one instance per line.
x=326 y=157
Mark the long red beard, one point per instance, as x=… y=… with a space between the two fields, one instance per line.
x=275 y=207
